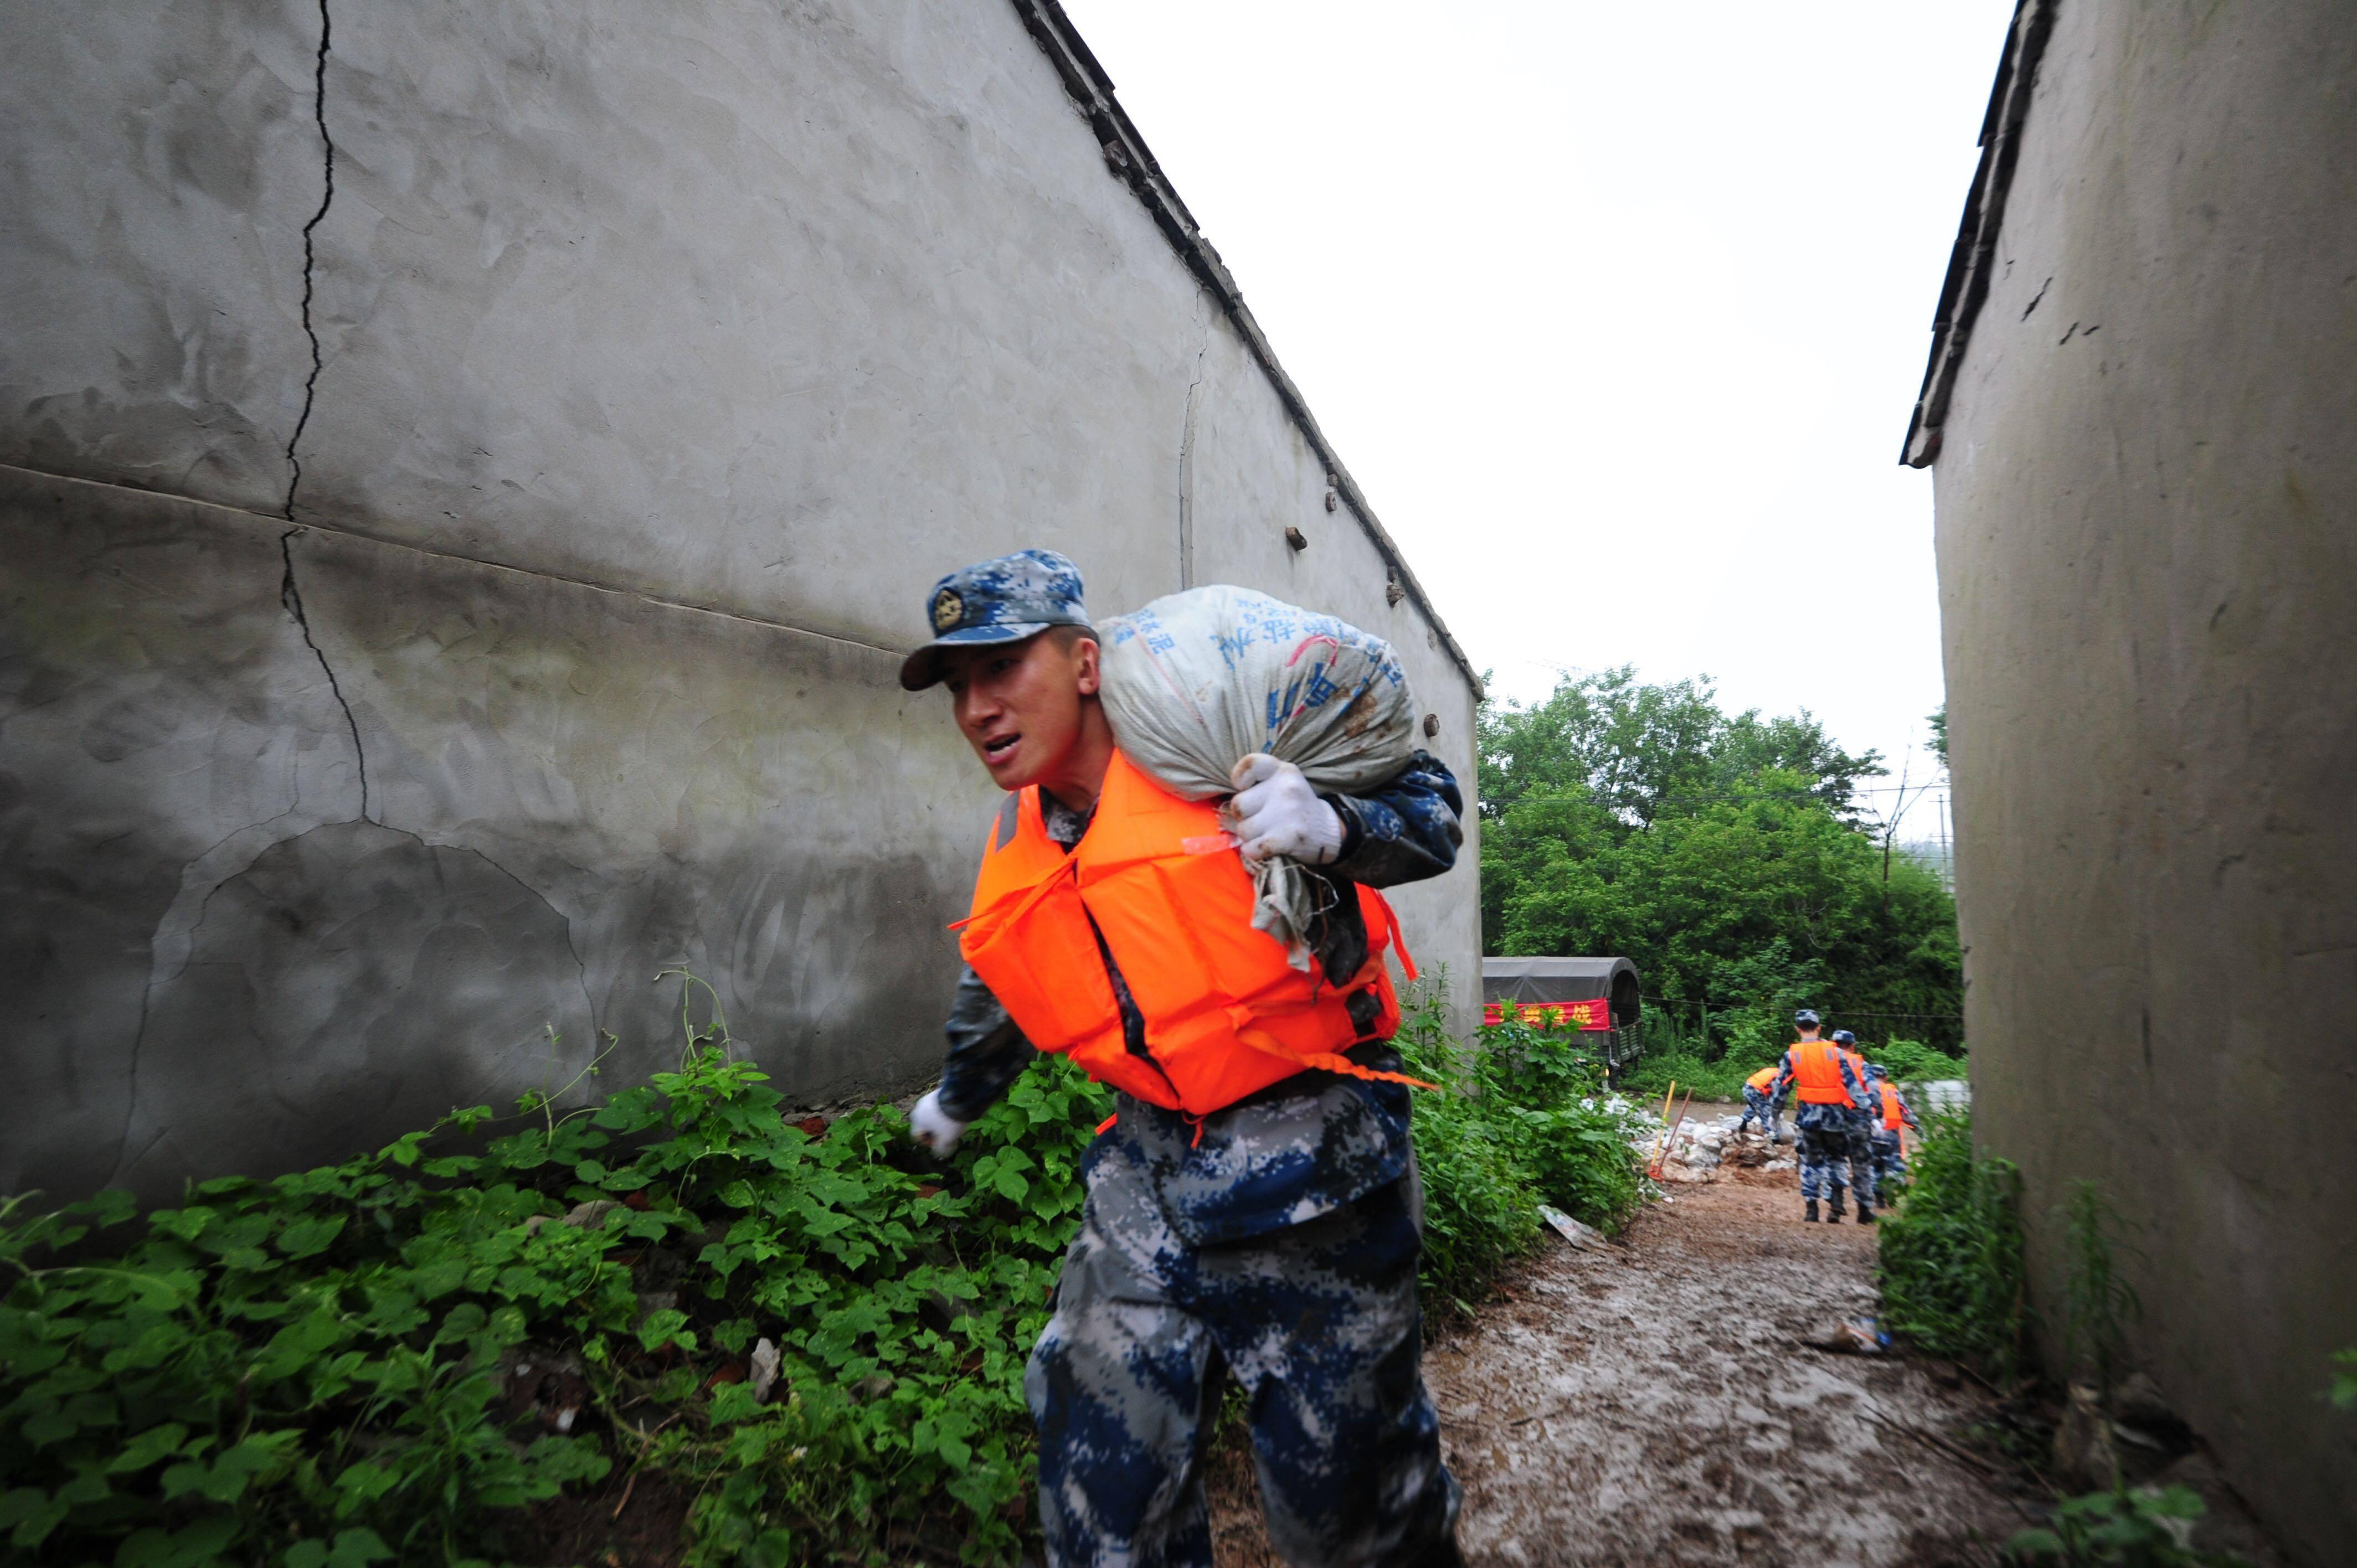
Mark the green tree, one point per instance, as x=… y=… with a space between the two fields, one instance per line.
x=1726 y=856
x=1641 y=751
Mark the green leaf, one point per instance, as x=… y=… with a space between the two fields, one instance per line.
x=199 y=1542
x=668 y=1326
x=357 y=1548
x=50 y=1427
x=362 y=1483
x=149 y=1448
x=183 y=1478
x=306 y=1237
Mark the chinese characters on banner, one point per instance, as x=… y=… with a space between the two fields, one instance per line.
x=1589 y=1012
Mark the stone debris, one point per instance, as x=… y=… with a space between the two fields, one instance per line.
x=590 y=1216
x=2084 y=1451
x=764 y=1365
x=1705 y=1145
x=552 y=1386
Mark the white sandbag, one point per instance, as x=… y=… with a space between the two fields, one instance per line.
x=1196 y=682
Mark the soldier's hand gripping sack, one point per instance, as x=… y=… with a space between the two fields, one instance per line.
x=1195 y=682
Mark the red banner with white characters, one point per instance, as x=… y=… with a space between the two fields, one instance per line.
x=1589 y=1013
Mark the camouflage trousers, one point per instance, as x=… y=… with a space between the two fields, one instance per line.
x=1861 y=1160
x=1824 y=1161
x=1755 y=1105
x=1318 y=1322
x=1890 y=1160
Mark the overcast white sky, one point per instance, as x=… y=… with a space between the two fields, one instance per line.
x=1615 y=312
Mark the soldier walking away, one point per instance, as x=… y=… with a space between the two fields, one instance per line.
x=1829 y=1095
x=1756 y=1102
x=1893 y=1113
x=1242 y=1209
x=1861 y=1131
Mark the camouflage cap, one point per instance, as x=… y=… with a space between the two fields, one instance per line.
x=1005 y=600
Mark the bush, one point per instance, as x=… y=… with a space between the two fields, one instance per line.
x=2121 y=1529
x=329 y=1368
x=1650 y=1076
x=366 y=1362
x=1950 y=1260
x=1911 y=1061
x=1520 y=1119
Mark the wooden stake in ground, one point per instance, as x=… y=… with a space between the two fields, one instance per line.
x=1655 y=1158
x=1669 y=1138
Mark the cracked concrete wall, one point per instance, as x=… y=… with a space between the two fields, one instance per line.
x=2147 y=505
x=449 y=580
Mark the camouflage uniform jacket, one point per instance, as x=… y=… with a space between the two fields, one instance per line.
x=1812 y=1115
x=1297 y=1148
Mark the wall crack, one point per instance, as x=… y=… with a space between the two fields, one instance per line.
x=291 y=596
x=327 y=200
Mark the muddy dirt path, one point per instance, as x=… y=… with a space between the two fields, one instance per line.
x=1648 y=1402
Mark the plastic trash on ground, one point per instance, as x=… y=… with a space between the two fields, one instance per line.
x=1855 y=1337
x=1196 y=682
x=1570 y=1229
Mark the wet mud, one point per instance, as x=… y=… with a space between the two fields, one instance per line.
x=1653 y=1402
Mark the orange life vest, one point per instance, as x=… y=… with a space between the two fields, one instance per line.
x=1817 y=1073
x=1893 y=1118
x=1155 y=885
x=1762 y=1079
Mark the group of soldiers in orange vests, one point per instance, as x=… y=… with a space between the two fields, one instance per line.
x=1848 y=1122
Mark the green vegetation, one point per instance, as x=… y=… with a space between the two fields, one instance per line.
x=372 y=1361
x=1671 y=1057
x=1726 y=855
x=2097 y=1303
x=327 y=1369
x=2120 y=1529
x=1950 y=1259
x=1521 y=1120
x=1913 y=1061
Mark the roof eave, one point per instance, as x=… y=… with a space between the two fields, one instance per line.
x=1966 y=284
x=1128 y=156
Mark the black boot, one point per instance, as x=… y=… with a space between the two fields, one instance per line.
x=1834 y=1210
x=1811 y=1215
x=1866 y=1211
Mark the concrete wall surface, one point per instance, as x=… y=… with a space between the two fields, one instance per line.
x=2148 y=549
x=369 y=709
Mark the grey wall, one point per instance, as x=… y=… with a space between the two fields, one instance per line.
x=2148 y=549
x=357 y=728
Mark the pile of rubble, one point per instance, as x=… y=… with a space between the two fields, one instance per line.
x=1705 y=1145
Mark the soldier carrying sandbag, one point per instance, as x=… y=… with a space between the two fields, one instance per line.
x=1222 y=967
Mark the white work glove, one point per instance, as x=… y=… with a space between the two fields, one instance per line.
x=1276 y=812
x=934 y=1127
